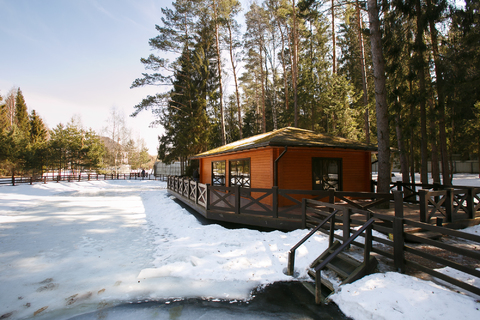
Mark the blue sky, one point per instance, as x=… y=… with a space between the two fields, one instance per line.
x=79 y=57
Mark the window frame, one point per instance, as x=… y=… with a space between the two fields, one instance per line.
x=339 y=173
x=220 y=177
x=249 y=179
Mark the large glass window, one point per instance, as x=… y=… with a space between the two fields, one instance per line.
x=218 y=173
x=327 y=173
x=240 y=173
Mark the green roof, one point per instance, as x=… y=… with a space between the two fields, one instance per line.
x=291 y=137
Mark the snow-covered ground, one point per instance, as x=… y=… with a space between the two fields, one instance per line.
x=68 y=249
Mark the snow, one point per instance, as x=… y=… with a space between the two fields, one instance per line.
x=68 y=249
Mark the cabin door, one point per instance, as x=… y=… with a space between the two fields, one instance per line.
x=327 y=173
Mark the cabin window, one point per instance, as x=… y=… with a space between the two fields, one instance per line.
x=240 y=173
x=327 y=173
x=218 y=173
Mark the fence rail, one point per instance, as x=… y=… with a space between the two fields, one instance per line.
x=14 y=180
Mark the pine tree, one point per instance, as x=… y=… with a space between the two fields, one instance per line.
x=21 y=114
x=380 y=98
x=38 y=131
x=4 y=121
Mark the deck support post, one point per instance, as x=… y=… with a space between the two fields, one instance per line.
x=237 y=199
x=470 y=204
x=423 y=194
x=449 y=205
x=207 y=196
x=398 y=237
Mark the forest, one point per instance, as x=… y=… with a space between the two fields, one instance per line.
x=400 y=74
x=29 y=147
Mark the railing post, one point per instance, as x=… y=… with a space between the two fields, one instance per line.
x=31 y=180
x=470 y=203
x=291 y=262
x=275 y=201
x=318 y=287
x=196 y=192
x=79 y=177
x=346 y=224
x=331 y=197
x=331 y=234
x=368 y=243
x=399 y=185
x=304 y=213
x=449 y=205
x=398 y=238
x=44 y=180
x=207 y=196
x=423 y=194
x=237 y=199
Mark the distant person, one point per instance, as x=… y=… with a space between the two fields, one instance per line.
x=143 y=173
x=196 y=175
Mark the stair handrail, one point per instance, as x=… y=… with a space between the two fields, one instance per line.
x=291 y=252
x=345 y=244
x=318 y=269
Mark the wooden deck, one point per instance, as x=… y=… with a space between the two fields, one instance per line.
x=262 y=207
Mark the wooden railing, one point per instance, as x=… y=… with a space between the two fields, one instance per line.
x=449 y=205
x=406 y=250
x=291 y=252
x=263 y=201
x=189 y=189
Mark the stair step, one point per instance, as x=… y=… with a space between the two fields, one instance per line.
x=310 y=286
x=325 y=282
x=325 y=254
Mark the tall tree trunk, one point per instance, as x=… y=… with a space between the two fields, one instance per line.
x=274 y=81
x=441 y=100
x=237 y=93
x=219 y=66
x=364 y=76
x=383 y=135
x=420 y=63
x=334 y=51
x=262 y=81
x=412 y=137
x=433 y=136
x=295 y=63
x=401 y=146
x=284 y=66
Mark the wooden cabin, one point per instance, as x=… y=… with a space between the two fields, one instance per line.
x=289 y=158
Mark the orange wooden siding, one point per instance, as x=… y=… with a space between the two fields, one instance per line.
x=294 y=168
x=261 y=166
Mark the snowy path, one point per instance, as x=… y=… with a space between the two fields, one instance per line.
x=71 y=248
x=68 y=249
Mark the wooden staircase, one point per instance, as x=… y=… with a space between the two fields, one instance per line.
x=334 y=259
x=342 y=265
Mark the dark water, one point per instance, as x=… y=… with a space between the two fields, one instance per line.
x=282 y=300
